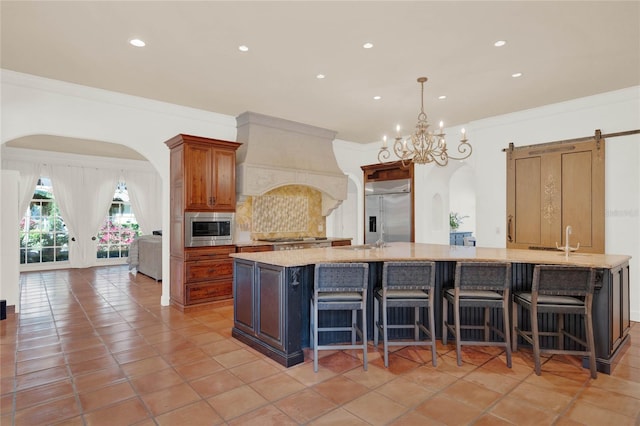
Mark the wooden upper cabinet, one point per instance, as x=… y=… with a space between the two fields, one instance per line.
x=552 y=186
x=209 y=170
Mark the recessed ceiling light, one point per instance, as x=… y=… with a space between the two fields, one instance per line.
x=243 y=48
x=516 y=74
x=137 y=42
x=442 y=97
x=499 y=43
x=377 y=97
x=320 y=76
x=367 y=45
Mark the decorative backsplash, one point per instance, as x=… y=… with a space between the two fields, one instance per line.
x=288 y=211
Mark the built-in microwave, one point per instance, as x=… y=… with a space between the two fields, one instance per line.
x=203 y=229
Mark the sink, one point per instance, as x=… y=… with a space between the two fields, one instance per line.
x=357 y=247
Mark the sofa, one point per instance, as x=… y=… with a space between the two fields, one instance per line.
x=145 y=256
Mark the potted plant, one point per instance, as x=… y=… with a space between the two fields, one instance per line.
x=455 y=220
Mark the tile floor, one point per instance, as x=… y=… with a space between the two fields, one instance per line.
x=94 y=346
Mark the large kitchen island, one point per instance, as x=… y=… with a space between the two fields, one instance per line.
x=272 y=291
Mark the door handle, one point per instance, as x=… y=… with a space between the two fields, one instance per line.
x=509 y=237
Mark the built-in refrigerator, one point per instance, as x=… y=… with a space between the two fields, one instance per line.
x=388 y=211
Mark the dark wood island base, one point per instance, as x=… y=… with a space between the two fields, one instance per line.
x=272 y=290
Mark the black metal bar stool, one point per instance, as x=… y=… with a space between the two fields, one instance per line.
x=406 y=285
x=340 y=287
x=558 y=290
x=479 y=285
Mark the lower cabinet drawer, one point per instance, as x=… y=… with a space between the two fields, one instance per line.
x=207 y=292
x=207 y=270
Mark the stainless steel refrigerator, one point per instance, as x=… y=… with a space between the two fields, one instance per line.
x=388 y=211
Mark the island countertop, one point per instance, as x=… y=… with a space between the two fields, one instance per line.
x=401 y=251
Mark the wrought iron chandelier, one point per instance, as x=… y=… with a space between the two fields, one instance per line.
x=423 y=146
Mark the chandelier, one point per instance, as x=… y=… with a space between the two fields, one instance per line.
x=424 y=146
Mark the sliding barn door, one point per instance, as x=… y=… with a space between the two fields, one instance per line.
x=552 y=186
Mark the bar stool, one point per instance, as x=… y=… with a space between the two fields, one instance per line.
x=479 y=285
x=558 y=290
x=340 y=287
x=406 y=285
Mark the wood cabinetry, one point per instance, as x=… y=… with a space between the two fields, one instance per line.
x=202 y=179
x=552 y=186
x=267 y=306
x=208 y=172
x=254 y=249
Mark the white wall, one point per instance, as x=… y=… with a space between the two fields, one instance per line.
x=10 y=260
x=611 y=112
x=36 y=106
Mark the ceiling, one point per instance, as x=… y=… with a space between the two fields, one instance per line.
x=565 y=50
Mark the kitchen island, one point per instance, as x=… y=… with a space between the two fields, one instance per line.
x=272 y=291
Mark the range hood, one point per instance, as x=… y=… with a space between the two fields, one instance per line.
x=277 y=152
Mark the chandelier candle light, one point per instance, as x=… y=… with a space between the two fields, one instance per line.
x=423 y=146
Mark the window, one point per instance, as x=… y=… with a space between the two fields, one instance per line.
x=119 y=228
x=43 y=234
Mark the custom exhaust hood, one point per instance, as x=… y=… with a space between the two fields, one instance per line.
x=277 y=152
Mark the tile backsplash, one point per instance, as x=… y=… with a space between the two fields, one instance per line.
x=288 y=211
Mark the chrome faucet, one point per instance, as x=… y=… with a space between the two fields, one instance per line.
x=567 y=248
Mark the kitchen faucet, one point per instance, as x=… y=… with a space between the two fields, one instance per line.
x=567 y=248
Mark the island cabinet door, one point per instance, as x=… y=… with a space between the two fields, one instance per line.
x=244 y=296
x=271 y=295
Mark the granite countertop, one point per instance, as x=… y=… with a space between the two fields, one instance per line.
x=436 y=252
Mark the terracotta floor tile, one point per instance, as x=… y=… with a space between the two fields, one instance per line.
x=235 y=358
x=430 y=378
x=99 y=378
x=397 y=364
x=204 y=338
x=405 y=392
x=128 y=344
x=340 y=389
x=341 y=417
x=376 y=409
x=221 y=347
x=80 y=368
x=144 y=366
x=128 y=412
x=493 y=381
x=372 y=378
x=265 y=416
x=448 y=411
x=41 y=394
x=49 y=412
x=236 y=402
x=304 y=373
x=185 y=356
x=305 y=405
x=339 y=362
x=197 y=414
x=253 y=371
x=511 y=409
x=471 y=394
x=542 y=397
x=611 y=400
x=107 y=395
x=590 y=414
x=42 y=377
x=277 y=386
x=216 y=384
x=87 y=354
x=38 y=364
x=413 y=418
x=198 y=369
x=140 y=354
x=167 y=399
x=156 y=381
